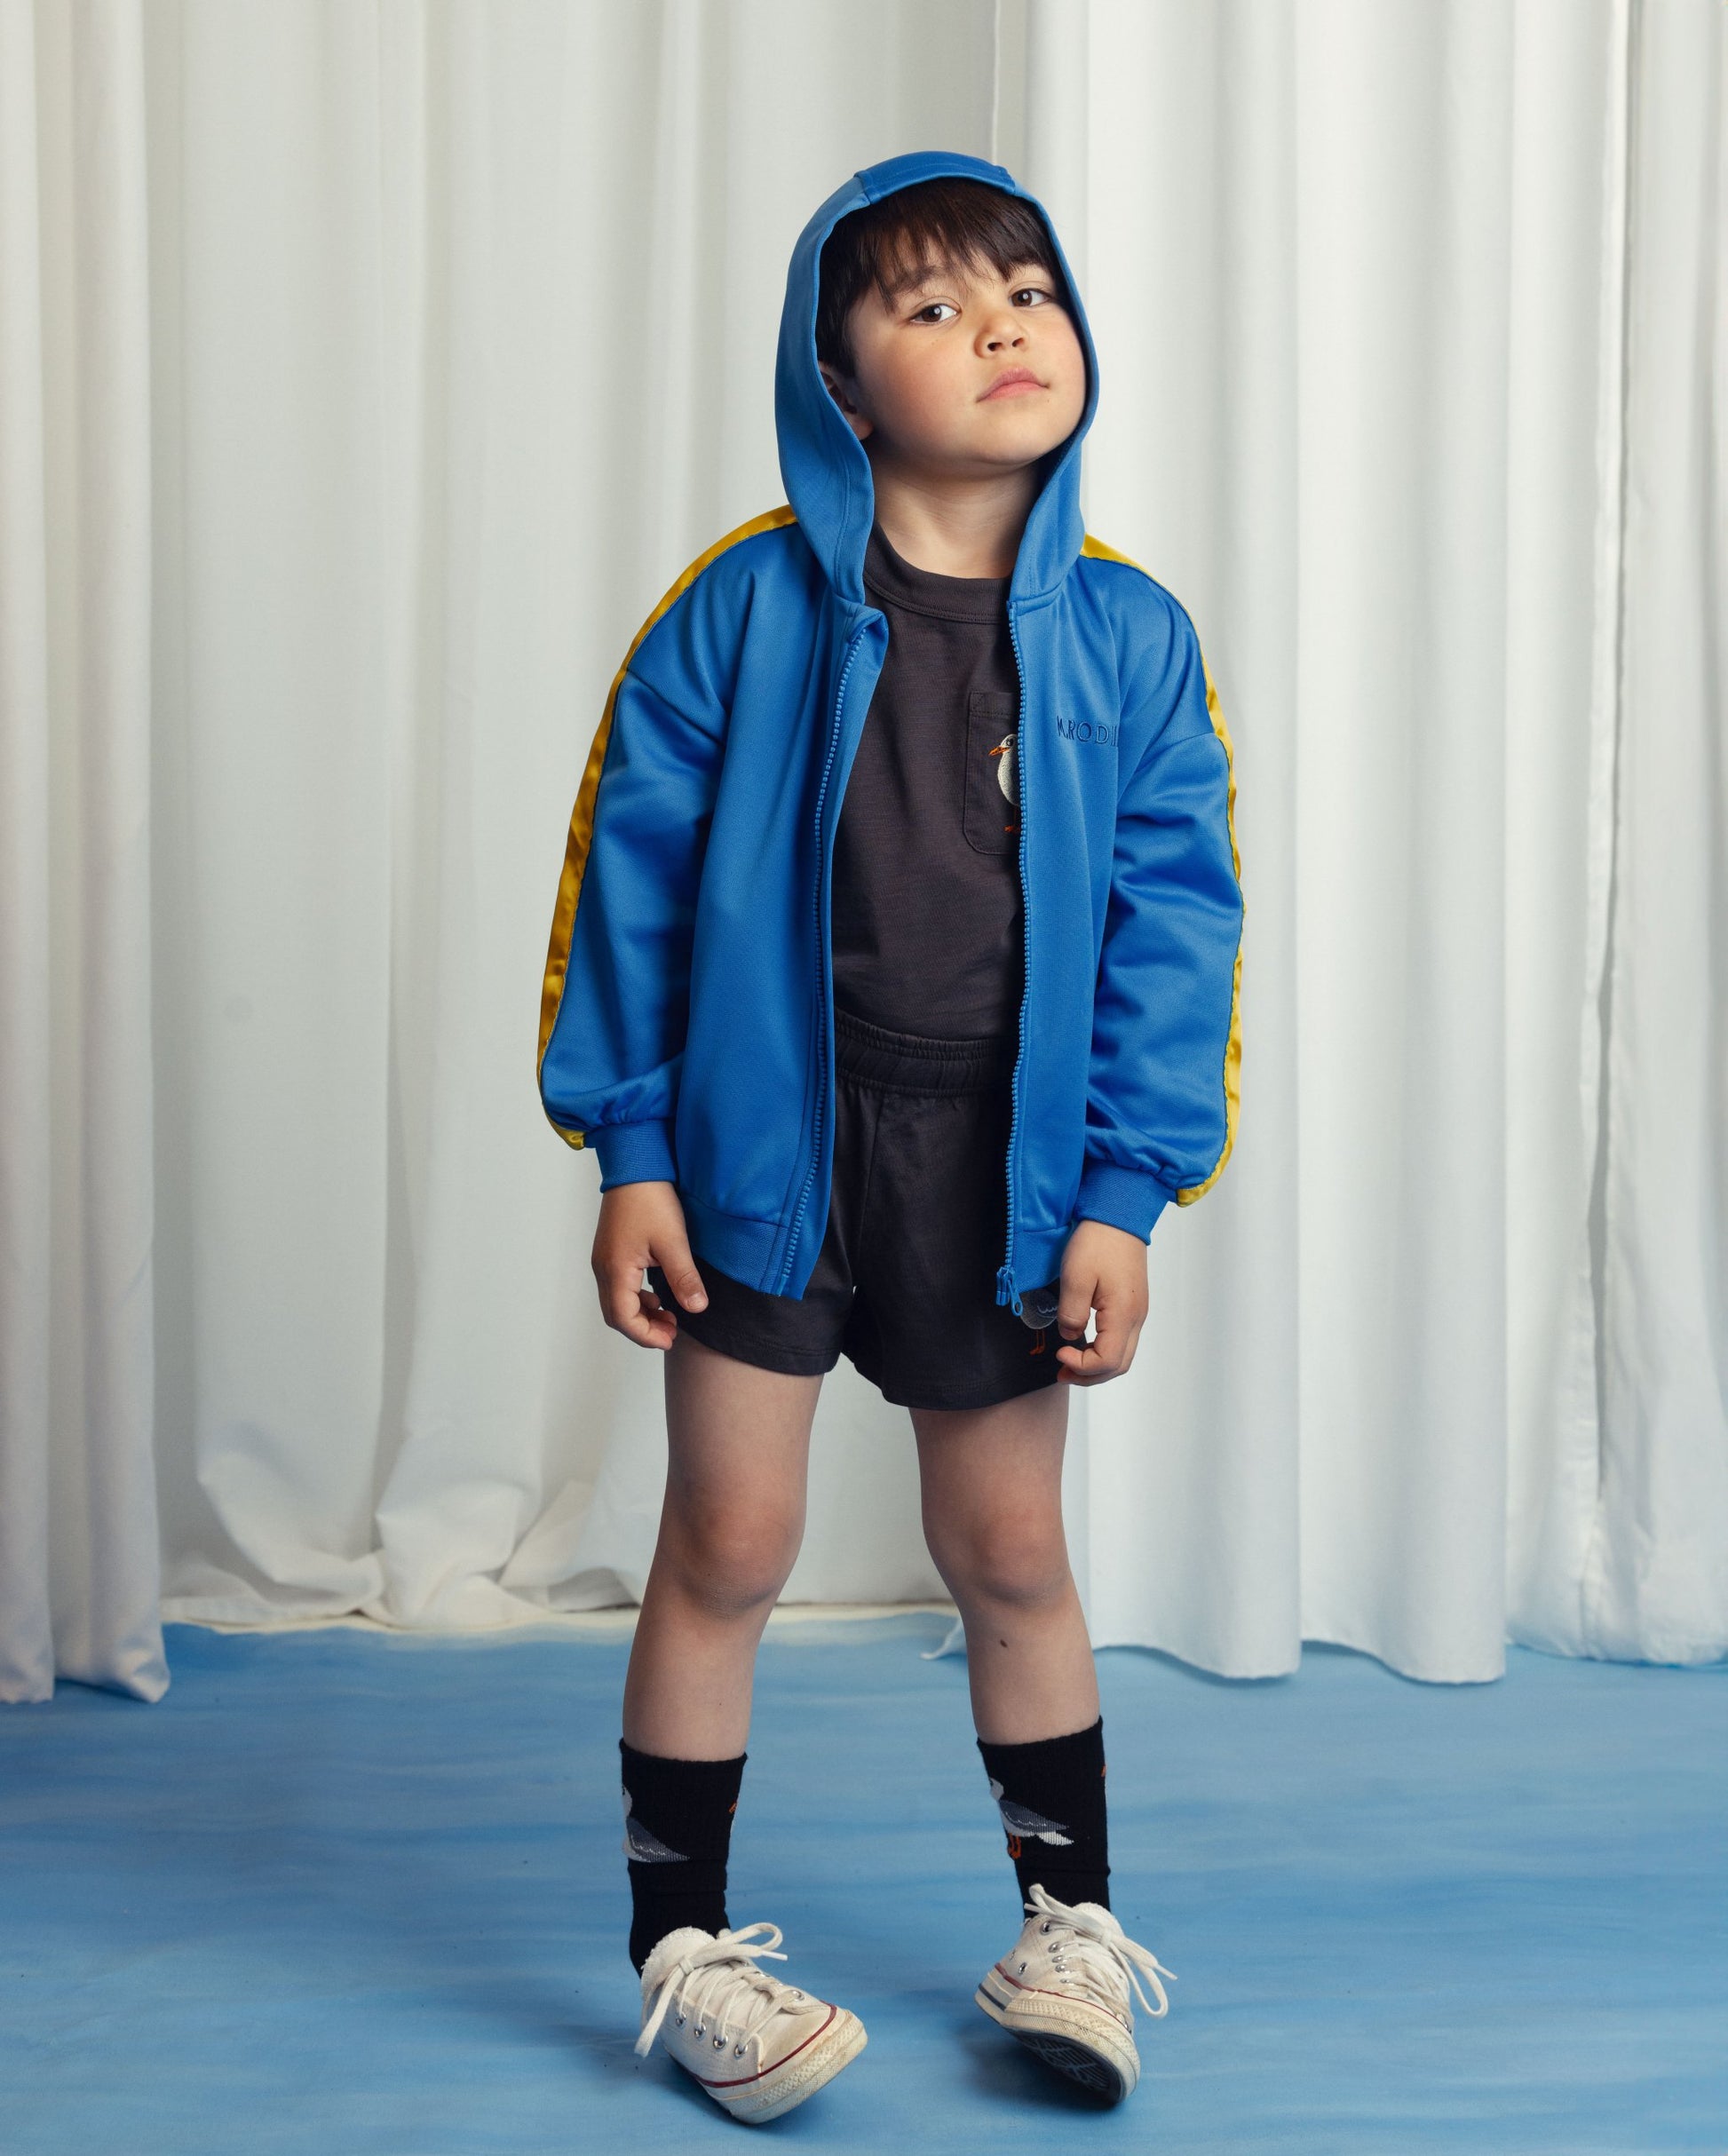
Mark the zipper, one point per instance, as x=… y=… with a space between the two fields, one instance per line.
x=1006 y=1290
x=821 y=962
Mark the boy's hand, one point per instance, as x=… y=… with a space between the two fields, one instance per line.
x=1103 y=1269
x=642 y=1224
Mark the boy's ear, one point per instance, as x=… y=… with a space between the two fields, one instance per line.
x=845 y=396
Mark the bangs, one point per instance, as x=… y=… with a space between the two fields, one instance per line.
x=897 y=244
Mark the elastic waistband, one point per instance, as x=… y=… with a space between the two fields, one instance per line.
x=919 y=1063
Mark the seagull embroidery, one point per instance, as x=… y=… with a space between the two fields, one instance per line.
x=1031 y=1825
x=644 y=1847
x=1006 y=777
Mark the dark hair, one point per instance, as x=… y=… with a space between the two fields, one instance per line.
x=938 y=223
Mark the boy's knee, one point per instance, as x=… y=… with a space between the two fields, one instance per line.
x=732 y=1558
x=1010 y=1555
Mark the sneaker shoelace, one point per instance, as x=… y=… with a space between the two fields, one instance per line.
x=1100 y=1956
x=719 y=1978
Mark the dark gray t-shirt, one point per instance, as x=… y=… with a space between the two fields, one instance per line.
x=926 y=890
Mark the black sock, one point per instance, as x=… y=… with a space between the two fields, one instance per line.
x=1051 y=1793
x=678 y=1828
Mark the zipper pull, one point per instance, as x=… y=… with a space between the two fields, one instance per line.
x=1006 y=1291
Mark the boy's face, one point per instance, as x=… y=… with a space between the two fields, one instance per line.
x=966 y=373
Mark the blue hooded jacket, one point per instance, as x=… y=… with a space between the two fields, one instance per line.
x=686 y=1025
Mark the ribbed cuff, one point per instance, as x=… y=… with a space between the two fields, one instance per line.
x=1125 y=1198
x=634 y=1152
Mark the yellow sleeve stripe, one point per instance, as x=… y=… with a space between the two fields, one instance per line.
x=1233 y=1054
x=582 y=819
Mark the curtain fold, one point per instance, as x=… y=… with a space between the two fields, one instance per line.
x=79 y=1563
x=1655 y=1583
x=366 y=372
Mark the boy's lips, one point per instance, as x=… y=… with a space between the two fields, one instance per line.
x=1013 y=383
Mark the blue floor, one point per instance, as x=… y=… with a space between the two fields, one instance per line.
x=363 y=1894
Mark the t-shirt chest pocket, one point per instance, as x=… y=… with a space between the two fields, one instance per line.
x=990 y=813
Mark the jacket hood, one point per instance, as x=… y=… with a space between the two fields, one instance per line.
x=827 y=474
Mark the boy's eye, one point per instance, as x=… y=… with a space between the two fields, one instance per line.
x=936 y=310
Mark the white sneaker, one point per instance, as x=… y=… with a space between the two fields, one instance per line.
x=758 y=2046
x=1064 y=1991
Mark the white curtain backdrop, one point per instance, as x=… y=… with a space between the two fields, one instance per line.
x=367 y=368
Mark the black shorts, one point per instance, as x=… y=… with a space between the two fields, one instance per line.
x=905 y=1283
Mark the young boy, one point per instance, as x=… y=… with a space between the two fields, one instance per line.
x=893 y=979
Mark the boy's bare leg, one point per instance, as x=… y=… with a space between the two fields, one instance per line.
x=992 y=1482
x=738 y=1445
